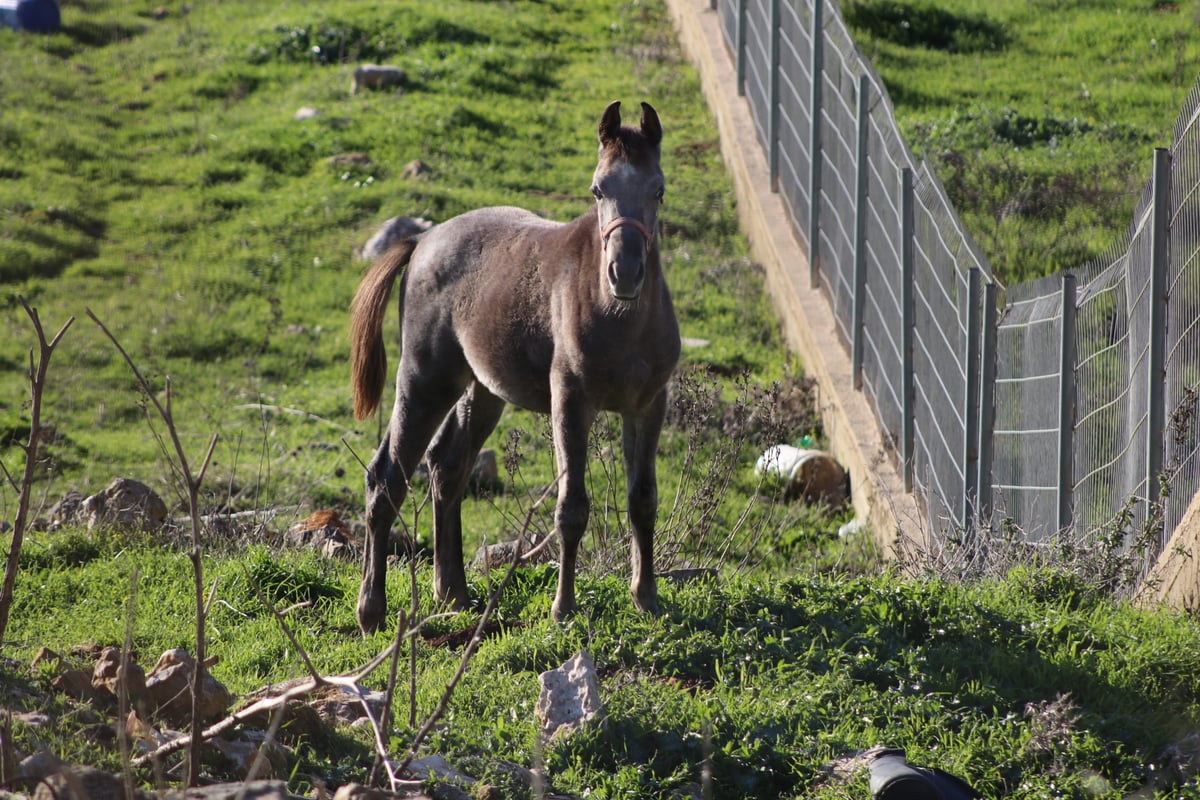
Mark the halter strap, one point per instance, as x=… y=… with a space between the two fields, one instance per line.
x=608 y=229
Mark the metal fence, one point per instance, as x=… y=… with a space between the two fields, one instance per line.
x=1066 y=402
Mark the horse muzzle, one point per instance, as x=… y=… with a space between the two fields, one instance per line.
x=626 y=264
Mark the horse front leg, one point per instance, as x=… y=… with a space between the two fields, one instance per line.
x=639 y=439
x=571 y=418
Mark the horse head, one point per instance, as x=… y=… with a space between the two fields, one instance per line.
x=628 y=186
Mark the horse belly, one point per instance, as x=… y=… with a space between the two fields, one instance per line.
x=519 y=374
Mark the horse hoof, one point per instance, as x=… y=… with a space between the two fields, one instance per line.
x=646 y=602
x=370 y=619
x=563 y=612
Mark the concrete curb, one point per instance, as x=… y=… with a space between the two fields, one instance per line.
x=855 y=441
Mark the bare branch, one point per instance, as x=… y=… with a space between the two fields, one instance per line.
x=37 y=391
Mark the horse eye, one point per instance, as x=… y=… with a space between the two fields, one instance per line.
x=661 y=194
x=596 y=193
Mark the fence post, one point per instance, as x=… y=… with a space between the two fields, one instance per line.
x=814 y=150
x=1156 y=369
x=971 y=399
x=987 y=402
x=1066 y=402
x=907 y=324
x=741 y=48
x=773 y=115
x=860 y=230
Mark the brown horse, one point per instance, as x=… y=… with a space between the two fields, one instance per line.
x=499 y=305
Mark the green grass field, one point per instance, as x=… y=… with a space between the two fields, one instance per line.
x=152 y=169
x=1039 y=117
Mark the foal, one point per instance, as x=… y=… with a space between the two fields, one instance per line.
x=501 y=306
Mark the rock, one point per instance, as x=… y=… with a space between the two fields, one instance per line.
x=75 y=683
x=569 y=697
x=324 y=530
x=416 y=170
x=343 y=160
x=356 y=791
x=85 y=783
x=494 y=556
x=390 y=232
x=338 y=705
x=169 y=687
x=376 y=76
x=125 y=504
x=437 y=768
x=810 y=474
x=250 y=790
x=681 y=576
x=38 y=766
x=108 y=675
x=67 y=511
x=485 y=475
x=240 y=753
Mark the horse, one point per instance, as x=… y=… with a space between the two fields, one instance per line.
x=499 y=305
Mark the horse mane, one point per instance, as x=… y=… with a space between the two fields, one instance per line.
x=368 y=356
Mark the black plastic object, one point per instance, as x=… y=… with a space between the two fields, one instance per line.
x=893 y=778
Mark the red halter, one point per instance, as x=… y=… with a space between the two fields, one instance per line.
x=608 y=229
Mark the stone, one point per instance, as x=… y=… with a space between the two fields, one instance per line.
x=325 y=531
x=85 y=783
x=169 y=683
x=343 y=160
x=76 y=683
x=125 y=504
x=391 y=232
x=377 y=76
x=67 y=511
x=109 y=676
x=416 y=170
x=485 y=475
x=356 y=791
x=437 y=768
x=569 y=697
x=500 y=554
x=690 y=575
x=249 y=790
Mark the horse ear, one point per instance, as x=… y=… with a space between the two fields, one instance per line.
x=610 y=123
x=651 y=127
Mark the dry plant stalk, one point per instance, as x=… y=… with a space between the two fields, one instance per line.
x=193 y=483
x=37 y=390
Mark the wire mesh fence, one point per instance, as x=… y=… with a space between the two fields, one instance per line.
x=1069 y=402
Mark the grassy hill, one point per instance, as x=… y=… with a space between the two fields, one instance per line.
x=1039 y=117
x=154 y=170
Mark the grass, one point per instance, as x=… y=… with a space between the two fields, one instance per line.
x=155 y=174
x=153 y=171
x=1033 y=685
x=1040 y=118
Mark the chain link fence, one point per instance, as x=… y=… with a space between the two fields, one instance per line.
x=1067 y=402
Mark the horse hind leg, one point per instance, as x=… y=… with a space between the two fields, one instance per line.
x=417 y=412
x=640 y=444
x=451 y=457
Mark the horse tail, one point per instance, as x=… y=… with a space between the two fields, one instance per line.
x=368 y=358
